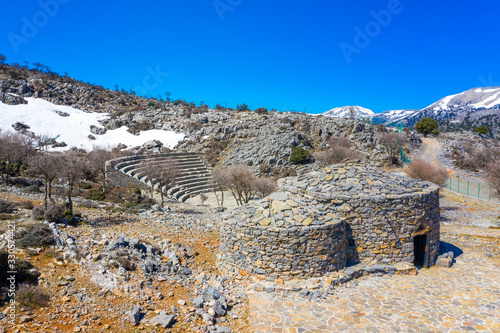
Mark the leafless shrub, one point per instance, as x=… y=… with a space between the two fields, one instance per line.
x=494 y=176
x=161 y=174
x=265 y=186
x=240 y=181
x=285 y=172
x=74 y=168
x=428 y=171
x=392 y=142
x=214 y=151
x=14 y=150
x=203 y=198
x=37 y=213
x=54 y=213
x=468 y=157
x=219 y=185
x=265 y=168
x=339 y=149
x=27 y=204
x=98 y=158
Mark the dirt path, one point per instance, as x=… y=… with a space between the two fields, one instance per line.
x=432 y=150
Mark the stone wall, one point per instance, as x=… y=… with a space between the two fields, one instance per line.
x=384 y=229
x=321 y=221
x=301 y=251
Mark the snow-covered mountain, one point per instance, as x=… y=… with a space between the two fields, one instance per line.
x=477 y=98
x=392 y=116
x=463 y=111
x=466 y=110
x=346 y=112
x=74 y=127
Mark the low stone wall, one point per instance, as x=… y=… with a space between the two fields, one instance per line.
x=301 y=251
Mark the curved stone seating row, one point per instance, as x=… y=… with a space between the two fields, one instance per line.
x=195 y=174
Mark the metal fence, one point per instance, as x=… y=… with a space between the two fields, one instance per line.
x=472 y=189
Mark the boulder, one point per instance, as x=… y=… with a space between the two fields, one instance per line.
x=163 y=319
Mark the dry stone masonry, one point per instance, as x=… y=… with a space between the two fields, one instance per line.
x=320 y=222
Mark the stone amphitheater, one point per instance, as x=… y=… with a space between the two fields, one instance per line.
x=321 y=222
x=194 y=178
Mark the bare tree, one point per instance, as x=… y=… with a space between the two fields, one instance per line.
x=15 y=149
x=2 y=58
x=339 y=149
x=203 y=198
x=265 y=186
x=48 y=166
x=392 y=142
x=74 y=168
x=494 y=176
x=161 y=174
x=219 y=182
x=43 y=141
x=240 y=181
x=98 y=158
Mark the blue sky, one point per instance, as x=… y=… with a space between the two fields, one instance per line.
x=288 y=55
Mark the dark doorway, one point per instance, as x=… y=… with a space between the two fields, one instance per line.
x=420 y=250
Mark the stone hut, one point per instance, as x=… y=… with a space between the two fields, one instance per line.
x=320 y=222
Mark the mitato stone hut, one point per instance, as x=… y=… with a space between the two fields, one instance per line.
x=320 y=222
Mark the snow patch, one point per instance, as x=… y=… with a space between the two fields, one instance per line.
x=41 y=117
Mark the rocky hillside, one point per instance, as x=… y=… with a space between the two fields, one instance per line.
x=226 y=136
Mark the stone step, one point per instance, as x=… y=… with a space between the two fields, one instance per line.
x=181 y=164
x=191 y=190
x=194 y=179
x=186 y=196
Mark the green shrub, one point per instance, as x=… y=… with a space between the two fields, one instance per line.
x=35 y=235
x=32 y=189
x=96 y=194
x=85 y=186
x=482 y=130
x=7 y=207
x=299 y=155
x=31 y=297
x=87 y=204
x=22 y=267
x=427 y=126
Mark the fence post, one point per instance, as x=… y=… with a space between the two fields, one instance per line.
x=468 y=187
x=479 y=190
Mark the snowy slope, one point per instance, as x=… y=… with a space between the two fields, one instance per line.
x=42 y=118
x=392 y=116
x=344 y=112
x=477 y=98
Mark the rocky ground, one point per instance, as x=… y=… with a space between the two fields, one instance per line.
x=175 y=281
x=173 y=287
